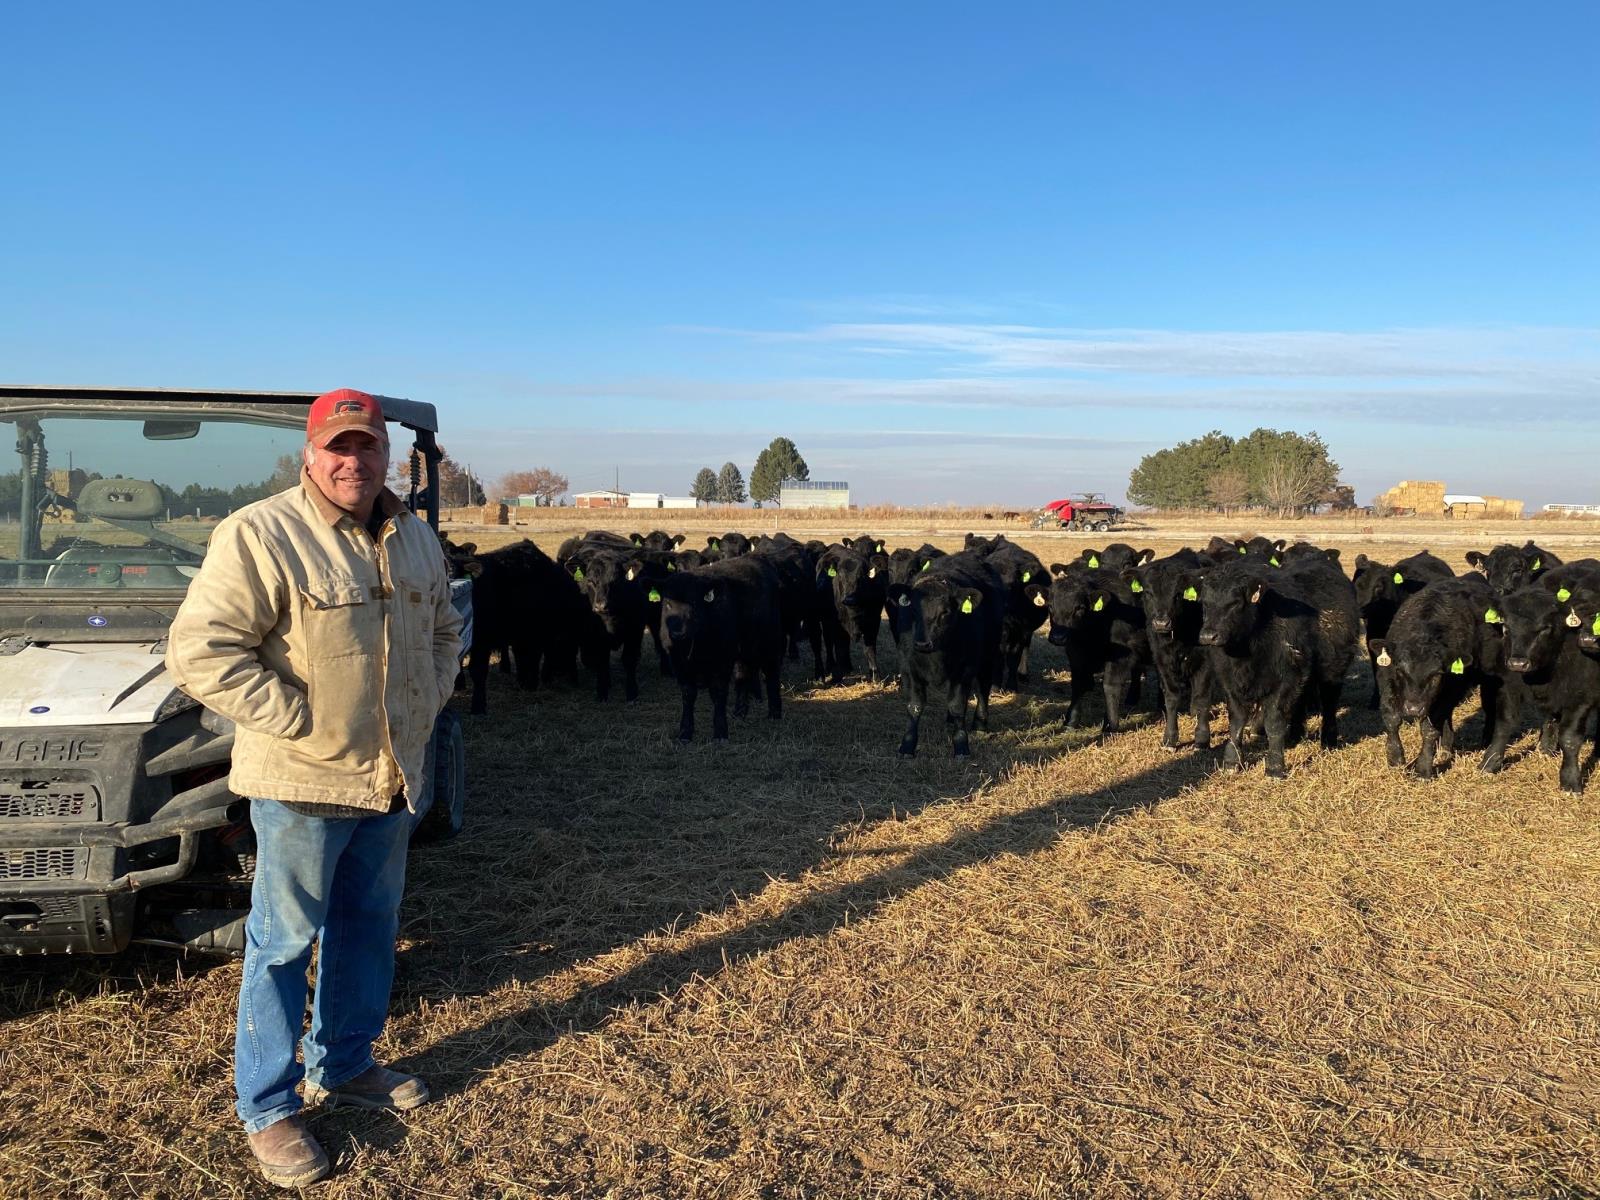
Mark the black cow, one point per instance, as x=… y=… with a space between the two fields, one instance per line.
x=1382 y=587
x=904 y=564
x=1099 y=621
x=1301 y=550
x=1172 y=620
x=1280 y=640
x=1118 y=556
x=1542 y=649
x=852 y=586
x=1017 y=568
x=865 y=543
x=1269 y=550
x=610 y=583
x=798 y=605
x=1436 y=650
x=722 y=624
x=1509 y=567
x=659 y=539
x=949 y=641
x=525 y=603
x=729 y=545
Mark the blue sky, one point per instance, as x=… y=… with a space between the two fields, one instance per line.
x=981 y=255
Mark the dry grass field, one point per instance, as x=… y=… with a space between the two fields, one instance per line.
x=795 y=966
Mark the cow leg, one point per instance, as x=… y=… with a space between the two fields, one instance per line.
x=1377 y=686
x=1022 y=664
x=631 y=646
x=1489 y=696
x=1200 y=703
x=1447 y=739
x=1171 y=704
x=1079 y=684
x=814 y=633
x=869 y=645
x=663 y=662
x=719 y=710
x=955 y=715
x=914 y=691
x=1389 y=711
x=1328 y=698
x=686 y=721
x=1573 y=732
x=1279 y=720
x=741 y=688
x=598 y=660
x=774 y=674
x=478 y=669
x=1115 y=684
x=1507 y=716
x=1550 y=737
x=1422 y=766
x=1232 y=752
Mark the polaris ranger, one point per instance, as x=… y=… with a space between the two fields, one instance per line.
x=116 y=822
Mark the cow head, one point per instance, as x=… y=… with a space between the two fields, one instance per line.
x=1159 y=589
x=1414 y=672
x=691 y=604
x=607 y=581
x=931 y=611
x=1509 y=567
x=1232 y=602
x=1376 y=582
x=1078 y=598
x=1533 y=625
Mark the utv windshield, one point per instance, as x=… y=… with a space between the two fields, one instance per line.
x=112 y=500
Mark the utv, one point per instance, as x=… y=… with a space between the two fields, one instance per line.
x=116 y=822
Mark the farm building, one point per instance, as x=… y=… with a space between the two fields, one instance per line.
x=1582 y=510
x=604 y=498
x=812 y=493
x=660 y=500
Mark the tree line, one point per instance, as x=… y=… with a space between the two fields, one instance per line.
x=1283 y=471
x=774 y=466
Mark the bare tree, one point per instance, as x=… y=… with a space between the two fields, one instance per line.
x=1228 y=488
x=541 y=482
x=1291 y=483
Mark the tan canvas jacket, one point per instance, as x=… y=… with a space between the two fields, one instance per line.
x=332 y=654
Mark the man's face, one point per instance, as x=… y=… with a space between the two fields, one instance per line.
x=350 y=469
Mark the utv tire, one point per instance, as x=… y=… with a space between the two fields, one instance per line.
x=446 y=769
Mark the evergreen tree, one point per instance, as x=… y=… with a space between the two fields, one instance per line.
x=778 y=462
x=730 y=485
x=704 y=487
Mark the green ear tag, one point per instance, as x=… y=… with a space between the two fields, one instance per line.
x=966 y=606
x=1458 y=667
x=1099 y=603
x=1493 y=617
x=715 y=544
x=1595 y=628
x=672 y=566
x=1536 y=563
x=1242 y=550
x=927 y=564
x=833 y=572
x=655 y=596
x=1399 y=578
x=1027 y=575
x=880 y=547
x=1274 y=561
x=1563 y=595
x=1137 y=587
x=1094 y=560
x=578 y=573
x=1190 y=594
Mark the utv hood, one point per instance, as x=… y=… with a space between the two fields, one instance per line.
x=83 y=683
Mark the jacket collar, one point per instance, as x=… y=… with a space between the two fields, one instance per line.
x=390 y=505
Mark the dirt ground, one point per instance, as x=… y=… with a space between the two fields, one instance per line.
x=795 y=966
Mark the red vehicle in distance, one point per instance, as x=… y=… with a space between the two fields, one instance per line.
x=1089 y=511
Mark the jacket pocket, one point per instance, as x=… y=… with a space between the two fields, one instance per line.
x=341 y=620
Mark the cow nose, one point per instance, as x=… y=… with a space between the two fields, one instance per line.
x=1161 y=624
x=1412 y=708
x=1210 y=637
x=1058 y=636
x=849 y=598
x=925 y=647
x=1518 y=664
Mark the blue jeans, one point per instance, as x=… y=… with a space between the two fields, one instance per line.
x=337 y=882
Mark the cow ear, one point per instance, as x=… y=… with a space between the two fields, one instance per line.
x=1361 y=561
x=899 y=595
x=1255 y=596
x=1333 y=554
x=468 y=547
x=1058 y=568
x=1038 y=595
x=1380 y=651
x=967 y=600
x=472 y=568
x=1281 y=545
x=1145 y=556
x=1130 y=576
x=637 y=538
x=1476 y=558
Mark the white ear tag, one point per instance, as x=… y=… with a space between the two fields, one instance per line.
x=710 y=596
x=1573 y=619
x=1038 y=600
x=872 y=572
x=631 y=573
x=1384 y=660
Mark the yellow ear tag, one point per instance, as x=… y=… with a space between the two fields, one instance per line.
x=1399 y=578
x=655 y=596
x=966 y=606
x=1242 y=550
x=578 y=573
x=1190 y=594
x=1384 y=660
x=833 y=572
x=1274 y=561
x=1099 y=603
x=1493 y=617
x=1136 y=586
x=1094 y=560
x=715 y=544
x=1027 y=575
x=672 y=566
x=1563 y=595
x=1595 y=628
x=1458 y=667
x=1536 y=563
x=880 y=547
x=927 y=564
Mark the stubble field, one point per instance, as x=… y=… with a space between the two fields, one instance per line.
x=795 y=966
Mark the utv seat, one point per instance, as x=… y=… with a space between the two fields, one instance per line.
x=133 y=505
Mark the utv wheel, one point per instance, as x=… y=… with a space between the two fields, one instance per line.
x=446 y=769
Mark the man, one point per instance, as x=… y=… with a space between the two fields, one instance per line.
x=321 y=625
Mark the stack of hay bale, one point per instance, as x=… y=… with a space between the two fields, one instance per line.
x=1498 y=508
x=1421 y=496
x=494 y=514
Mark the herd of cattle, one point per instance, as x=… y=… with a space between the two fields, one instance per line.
x=1266 y=628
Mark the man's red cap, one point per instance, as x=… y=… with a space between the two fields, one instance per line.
x=334 y=412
